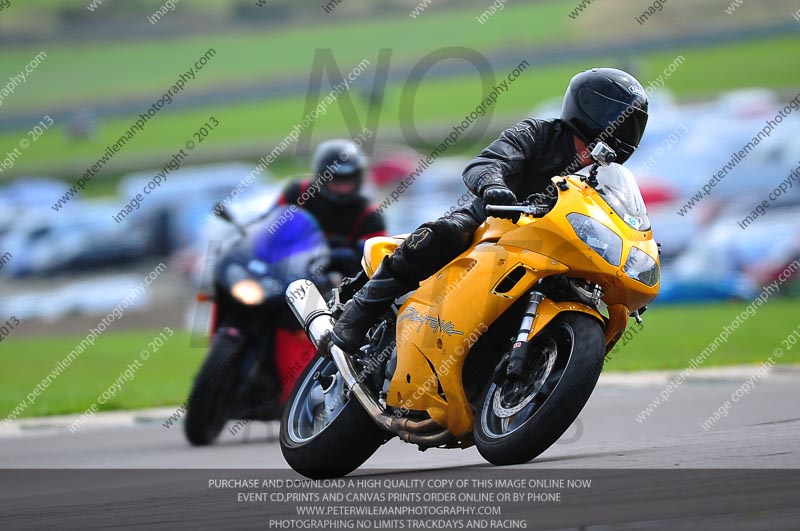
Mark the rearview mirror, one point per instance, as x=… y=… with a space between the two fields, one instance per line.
x=222 y=212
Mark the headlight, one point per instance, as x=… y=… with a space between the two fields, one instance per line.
x=248 y=291
x=597 y=236
x=641 y=266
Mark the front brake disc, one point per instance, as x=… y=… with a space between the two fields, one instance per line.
x=541 y=370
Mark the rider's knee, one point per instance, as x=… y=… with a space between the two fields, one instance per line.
x=434 y=240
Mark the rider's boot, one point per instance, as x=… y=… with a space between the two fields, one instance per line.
x=366 y=307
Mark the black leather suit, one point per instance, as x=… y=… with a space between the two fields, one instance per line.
x=524 y=158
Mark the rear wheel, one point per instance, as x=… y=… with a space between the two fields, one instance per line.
x=325 y=433
x=519 y=420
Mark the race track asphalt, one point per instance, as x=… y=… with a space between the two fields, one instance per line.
x=666 y=472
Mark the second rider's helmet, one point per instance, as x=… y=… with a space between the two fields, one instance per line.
x=339 y=165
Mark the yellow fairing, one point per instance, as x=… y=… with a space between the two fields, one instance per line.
x=375 y=249
x=441 y=321
x=553 y=236
x=438 y=325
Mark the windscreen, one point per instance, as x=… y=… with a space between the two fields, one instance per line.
x=291 y=245
x=618 y=187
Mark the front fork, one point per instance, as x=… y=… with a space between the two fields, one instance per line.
x=513 y=365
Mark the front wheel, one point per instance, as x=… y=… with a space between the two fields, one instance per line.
x=519 y=420
x=209 y=401
x=325 y=433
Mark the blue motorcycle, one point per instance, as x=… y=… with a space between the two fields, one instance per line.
x=257 y=349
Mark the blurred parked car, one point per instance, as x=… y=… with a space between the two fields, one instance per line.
x=74 y=240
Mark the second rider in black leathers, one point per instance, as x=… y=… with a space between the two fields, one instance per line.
x=333 y=196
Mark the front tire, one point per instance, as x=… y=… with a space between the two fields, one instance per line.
x=209 y=401
x=519 y=421
x=324 y=433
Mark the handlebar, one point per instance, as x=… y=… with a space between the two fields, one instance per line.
x=536 y=211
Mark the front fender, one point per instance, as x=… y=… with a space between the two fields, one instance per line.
x=549 y=310
x=613 y=326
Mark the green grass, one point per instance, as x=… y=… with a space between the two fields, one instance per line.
x=88 y=73
x=672 y=335
x=123 y=69
x=438 y=102
x=39 y=6
x=163 y=379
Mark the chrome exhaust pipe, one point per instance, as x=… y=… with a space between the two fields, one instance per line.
x=311 y=310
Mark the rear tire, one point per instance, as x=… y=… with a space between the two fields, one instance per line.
x=564 y=389
x=334 y=450
x=209 y=401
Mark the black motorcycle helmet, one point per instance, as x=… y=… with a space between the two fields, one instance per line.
x=609 y=105
x=339 y=165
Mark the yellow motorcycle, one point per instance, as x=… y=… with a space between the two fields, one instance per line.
x=500 y=349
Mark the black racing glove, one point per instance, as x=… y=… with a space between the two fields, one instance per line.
x=498 y=195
